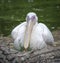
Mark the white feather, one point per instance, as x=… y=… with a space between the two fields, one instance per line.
x=18 y=30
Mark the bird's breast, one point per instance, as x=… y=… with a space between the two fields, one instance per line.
x=37 y=41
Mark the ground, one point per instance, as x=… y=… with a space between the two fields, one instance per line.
x=9 y=55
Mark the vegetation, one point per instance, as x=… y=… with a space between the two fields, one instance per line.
x=13 y=12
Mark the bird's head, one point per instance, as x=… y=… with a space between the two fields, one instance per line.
x=31 y=16
x=31 y=20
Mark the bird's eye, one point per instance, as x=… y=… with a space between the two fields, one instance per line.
x=33 y=17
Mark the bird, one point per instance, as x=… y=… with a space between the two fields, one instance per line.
x=31 y=34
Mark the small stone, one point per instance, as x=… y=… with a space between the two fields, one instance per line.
x=13 y=51
x=22 y=58
x=11 y=56
x=2 y=57
x=15 y=60
x=0 y=52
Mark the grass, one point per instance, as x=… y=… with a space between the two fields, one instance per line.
x=14 y=12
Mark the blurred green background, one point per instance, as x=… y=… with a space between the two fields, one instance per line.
x=13 y=12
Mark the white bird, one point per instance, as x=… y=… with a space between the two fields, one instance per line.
x=31 y=34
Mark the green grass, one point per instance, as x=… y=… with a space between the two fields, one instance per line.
x=14 y=12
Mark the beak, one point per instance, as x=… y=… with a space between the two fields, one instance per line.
x=27 y=36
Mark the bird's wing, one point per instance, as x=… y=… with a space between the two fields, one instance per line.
x=47 y=35
x=18 y=29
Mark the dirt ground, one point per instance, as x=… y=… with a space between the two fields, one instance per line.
x=56 y=35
